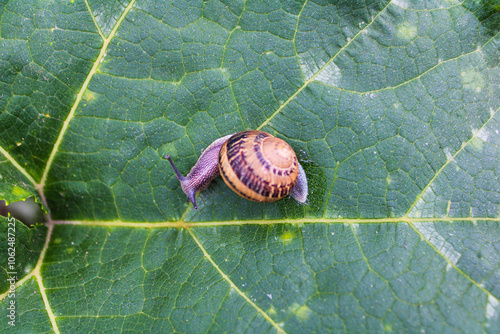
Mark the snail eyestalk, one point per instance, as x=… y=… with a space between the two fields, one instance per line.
x=191 y=193
x=202 y=173
x=180 y=177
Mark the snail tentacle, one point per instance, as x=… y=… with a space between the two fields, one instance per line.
x=203 y=172
x=180 y=177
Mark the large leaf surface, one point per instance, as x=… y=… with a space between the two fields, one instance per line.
x=392 y=108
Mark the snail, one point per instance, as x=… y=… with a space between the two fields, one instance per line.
x=254 y=164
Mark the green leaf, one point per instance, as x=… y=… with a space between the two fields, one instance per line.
x=391 y=106
x=26 y=243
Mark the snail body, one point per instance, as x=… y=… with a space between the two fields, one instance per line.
x=254 y=164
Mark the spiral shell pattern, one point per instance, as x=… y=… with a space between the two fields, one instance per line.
x=258 y=166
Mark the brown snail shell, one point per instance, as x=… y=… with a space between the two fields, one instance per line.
x=258 y=166
x=254 y=164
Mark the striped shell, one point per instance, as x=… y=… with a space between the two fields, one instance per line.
x=258 y=166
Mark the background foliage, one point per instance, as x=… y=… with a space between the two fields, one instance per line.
x=392 y=107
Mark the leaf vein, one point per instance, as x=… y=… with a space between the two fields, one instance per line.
x=233 y=286
x=307 y=82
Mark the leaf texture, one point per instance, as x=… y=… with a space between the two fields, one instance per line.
x=391 y=106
